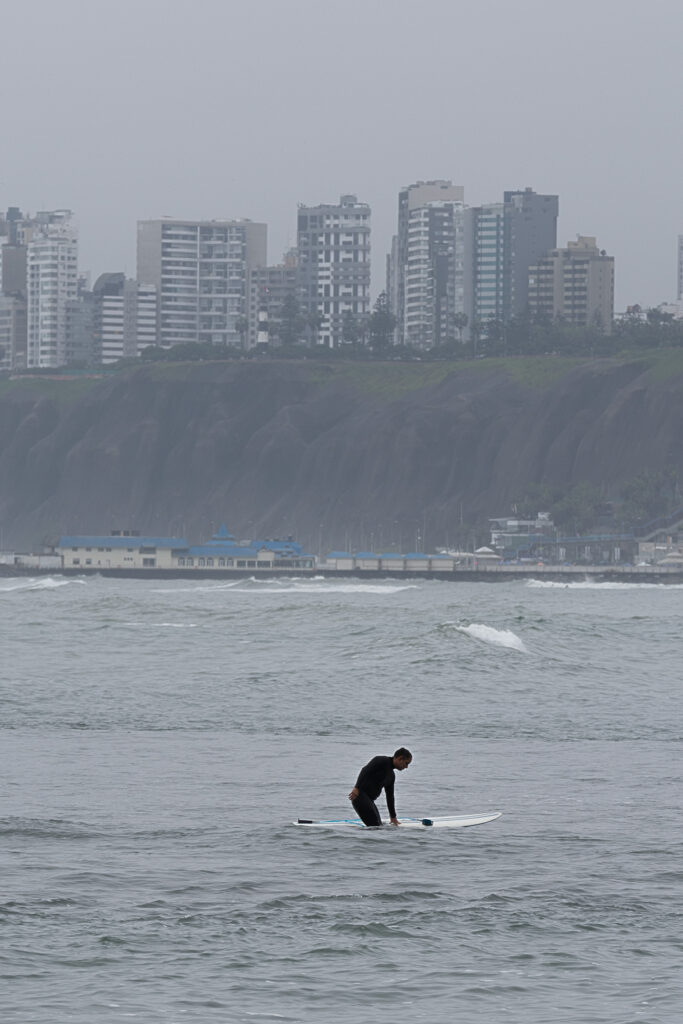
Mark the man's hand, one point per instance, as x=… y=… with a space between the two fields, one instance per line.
x=354 y=794
x=395 y=821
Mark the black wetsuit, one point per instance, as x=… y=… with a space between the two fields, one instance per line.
x=377 y=775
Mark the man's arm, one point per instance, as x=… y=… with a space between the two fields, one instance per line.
x=391 y=807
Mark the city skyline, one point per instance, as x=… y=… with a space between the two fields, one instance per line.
x=570 y=102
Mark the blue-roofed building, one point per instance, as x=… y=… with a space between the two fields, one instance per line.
x=122 y=550
x=129 y=550
x=224 y=552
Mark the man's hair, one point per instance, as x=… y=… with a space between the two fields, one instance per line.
x=403 y=752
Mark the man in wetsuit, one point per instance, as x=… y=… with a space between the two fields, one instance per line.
x=378 y=775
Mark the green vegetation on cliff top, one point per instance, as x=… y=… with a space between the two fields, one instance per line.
x=385 y=380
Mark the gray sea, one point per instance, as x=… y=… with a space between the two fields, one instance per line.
x=158 y=738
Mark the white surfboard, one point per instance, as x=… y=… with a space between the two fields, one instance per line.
x=445 y=821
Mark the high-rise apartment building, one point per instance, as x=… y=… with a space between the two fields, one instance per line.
x=269 y=289
x=531 y=231
x=125 y=317
x=425 y=278
x=575 y=283
x=13 y=305
x=12 y=332
x=51 y=284
x=487 y=277
x=333 y=244
x=680 y=268
x=503 y=240
x=200 y=270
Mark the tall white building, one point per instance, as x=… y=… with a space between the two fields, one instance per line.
x=426 y=278
x=333 y=243
x=200 y=270
x=51 y=285
x=125 y=317
x=680 y=268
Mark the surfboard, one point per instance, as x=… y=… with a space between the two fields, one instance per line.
x=444 y=821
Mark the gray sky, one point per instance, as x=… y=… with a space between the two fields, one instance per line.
x=227 y=108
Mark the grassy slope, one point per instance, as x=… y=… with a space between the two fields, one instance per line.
x=386 y=381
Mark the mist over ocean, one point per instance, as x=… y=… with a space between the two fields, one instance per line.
x=159 y=737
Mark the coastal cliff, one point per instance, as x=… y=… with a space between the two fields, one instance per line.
x=337 y=454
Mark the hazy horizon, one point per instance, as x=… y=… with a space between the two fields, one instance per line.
x=230 y=110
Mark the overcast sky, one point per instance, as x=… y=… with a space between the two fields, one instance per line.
x=226 y=108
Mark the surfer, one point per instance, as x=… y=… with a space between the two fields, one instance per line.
x=375 y=776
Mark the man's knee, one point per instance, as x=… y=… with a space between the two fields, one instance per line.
x=367 y=811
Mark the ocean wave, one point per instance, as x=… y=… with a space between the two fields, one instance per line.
x=38 y=583
x=497 y=637
x=340 y=588
x=159 y=625
x=290 y=585
x=216 y=585
x=40 y=828
x=598 y=585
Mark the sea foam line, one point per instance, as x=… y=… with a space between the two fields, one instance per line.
x=599 y=585
x=32 y=583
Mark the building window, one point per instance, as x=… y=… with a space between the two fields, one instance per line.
x=181 y=561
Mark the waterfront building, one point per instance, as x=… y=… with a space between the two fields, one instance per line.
x=200 y=270
x=51 y=284
x=425 y=275
x=125 y=317
x=333 y=243
x=575 y=284
x=127 y=550
x=118 y=550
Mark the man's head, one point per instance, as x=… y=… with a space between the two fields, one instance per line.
x=402 y=758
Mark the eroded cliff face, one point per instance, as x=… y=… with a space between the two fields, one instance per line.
x=337 y=455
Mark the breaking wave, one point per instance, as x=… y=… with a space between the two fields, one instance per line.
x=497 y=637
x=33 y=583
x=598 y=585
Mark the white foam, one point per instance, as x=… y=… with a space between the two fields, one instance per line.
x=598 y=585
x=159 y=625
x=337 y=588
x=32 y=583
x=217 y=586
x=497 y=637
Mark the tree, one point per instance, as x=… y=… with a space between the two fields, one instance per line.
x=313 y=324
x=460 y=322
x=382 y=323
x=291 y=321
x=651 y=494
x=351 y=328
x=241 y=326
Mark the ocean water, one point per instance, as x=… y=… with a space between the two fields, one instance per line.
x=158 y=738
